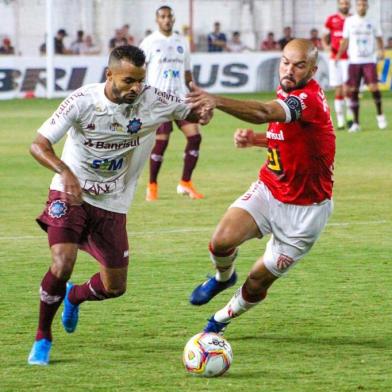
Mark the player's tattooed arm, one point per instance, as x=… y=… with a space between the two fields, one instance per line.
x=255 y=112
x=42 y=150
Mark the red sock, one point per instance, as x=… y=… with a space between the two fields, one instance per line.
x=52 y=292
x=191 y=155
x=92 y=290
x=156 y=158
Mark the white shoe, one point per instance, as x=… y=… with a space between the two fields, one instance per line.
x=381 y=122
x=354 y=128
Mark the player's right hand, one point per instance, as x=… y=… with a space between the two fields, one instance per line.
x=72 y=187
x=244 y=138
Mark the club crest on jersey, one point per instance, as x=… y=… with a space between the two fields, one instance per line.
x=57 y=209
x=180 y=49
x=134 y=126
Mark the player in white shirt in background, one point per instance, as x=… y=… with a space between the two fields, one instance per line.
x=110 y=131
x=363 y=38
x=169 y=69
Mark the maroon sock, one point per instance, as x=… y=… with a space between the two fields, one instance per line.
x=377 y=101
x=52 y=292
x=191 y=155
x=156 y=158
x=92 y=290
x=355 y=106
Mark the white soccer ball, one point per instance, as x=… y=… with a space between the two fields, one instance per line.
x=207 y=354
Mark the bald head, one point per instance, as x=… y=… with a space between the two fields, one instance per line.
x=303 y=47
x=298 y=64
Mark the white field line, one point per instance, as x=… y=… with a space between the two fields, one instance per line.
x=133 y=234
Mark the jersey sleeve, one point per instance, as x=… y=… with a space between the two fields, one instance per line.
x=300 y=106
x=346 y=28
x=187 y=57
x=66 y=115
x=378 y=30
x=327 y=24
x=145 y=47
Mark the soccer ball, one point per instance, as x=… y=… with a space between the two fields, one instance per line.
x=207 y=354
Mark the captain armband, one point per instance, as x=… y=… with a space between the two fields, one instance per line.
x=292 y=107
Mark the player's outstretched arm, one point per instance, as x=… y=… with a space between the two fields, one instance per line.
x=255 y=112
x=41 y=149
x=248 y=138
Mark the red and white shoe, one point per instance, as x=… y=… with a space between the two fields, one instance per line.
x=187 y=188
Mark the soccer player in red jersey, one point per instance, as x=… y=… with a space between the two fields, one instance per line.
x=292 y=198
x=338 y=71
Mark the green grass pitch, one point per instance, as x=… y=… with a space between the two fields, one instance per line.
x=324 y=327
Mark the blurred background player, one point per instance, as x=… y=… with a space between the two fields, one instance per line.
x=169 y=69
x=363 y=38
x=301 y=144
x=338 y=71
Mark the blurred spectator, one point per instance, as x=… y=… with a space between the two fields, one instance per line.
x=89 y=48
x=77 y=45
x=287 y=37
x=117 y=40
x=59 y=47
x=127 y=35
x=314 y=37
x=216 y=40
x=389 y=43
x=235 y=44
x=270 y=43
x=7 y=48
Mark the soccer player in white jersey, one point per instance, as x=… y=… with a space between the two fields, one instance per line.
x=363 y=39
x=110 y=131
x=169 y=69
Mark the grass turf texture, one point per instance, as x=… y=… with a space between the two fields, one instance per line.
x=325 y=327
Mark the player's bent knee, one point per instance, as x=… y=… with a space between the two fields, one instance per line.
x=222 y=242
x=114 y=292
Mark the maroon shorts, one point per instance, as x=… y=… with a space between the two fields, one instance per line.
x=358 y=71
x=167 y=127
x=99 y=232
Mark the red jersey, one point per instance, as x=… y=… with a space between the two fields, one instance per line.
x=334 y=24
x=301 y=152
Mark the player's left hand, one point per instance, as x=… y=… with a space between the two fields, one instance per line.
x=198 y=98
x=244 y=138
x=206 y=114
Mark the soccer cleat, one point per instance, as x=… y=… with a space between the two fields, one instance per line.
x=187 y=188
x=70 y=315
x=39 y=354
x=215 y=326
x=354 y=128
x=152 y=191
x=209 y=289
x=381 y=122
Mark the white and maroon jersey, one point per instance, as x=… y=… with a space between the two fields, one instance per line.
x=301 y=151
x=167 y=60
x=361 y=33
x=107 y=144
x=334 y=25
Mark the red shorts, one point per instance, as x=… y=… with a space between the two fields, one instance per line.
x=99 y=232
x=167 y=127
x=358 y=71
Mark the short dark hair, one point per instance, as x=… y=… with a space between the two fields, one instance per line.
x=128 y=53
x=163 y=7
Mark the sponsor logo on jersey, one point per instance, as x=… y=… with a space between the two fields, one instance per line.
x=167 y=96
x=275 y=136
x=180 y=49
x=57 y=209
x=116 y=127
x=91 y=126
x=99 y=188
x=67 y=105
x=167 y=60
x=171 y=73
x=284 y=262
x=134 y=125
x=107 y=164
x=101 y=145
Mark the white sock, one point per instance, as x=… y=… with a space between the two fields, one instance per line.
x=339 y=110
x=225 y=265
x=235 y=307
x=349 y=112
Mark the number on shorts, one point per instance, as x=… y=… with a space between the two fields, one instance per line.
x=274 y=162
